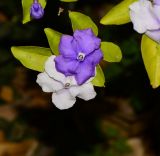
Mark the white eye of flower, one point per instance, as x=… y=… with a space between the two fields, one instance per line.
x=81 y=56
x=67 y=85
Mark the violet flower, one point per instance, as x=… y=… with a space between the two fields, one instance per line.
x=64 y=89
x=79 y=55
x=36 y=10
x=145 y=17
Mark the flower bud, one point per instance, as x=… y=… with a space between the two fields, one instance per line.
x=36 y=10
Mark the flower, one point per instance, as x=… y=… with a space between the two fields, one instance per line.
x=36 y=10
x=145 y=17
x=79 y=55
x=65 y=89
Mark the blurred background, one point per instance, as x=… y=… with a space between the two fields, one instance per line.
x=124 y=118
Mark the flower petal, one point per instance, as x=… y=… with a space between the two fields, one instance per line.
x=86 y=41
x=156 y=10
x=84 y=72
x=142 y=16
x=48 y=84
x=95 y=57
x=36 y=10
x=157 y=2
x=155 y=35
x=51 y=70
x=63 y=99
x=66 y=48
x=53 y=73
x=66 y=66
x=85 y=91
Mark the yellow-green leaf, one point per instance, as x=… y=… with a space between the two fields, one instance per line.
x=111 y=52
x=69 y=0
x=151 y=58
x=119 y=14
x=99 y=79
x=81 y=21
x=32 y=57
x=26 y=4
x=53 y=39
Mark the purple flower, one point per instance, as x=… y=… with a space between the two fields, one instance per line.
x=36 y=10
x=145 y=17
x=79 y=55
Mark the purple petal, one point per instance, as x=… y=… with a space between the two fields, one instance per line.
x=95 y=57
x=155 y=35
x=85 y=71
x=66 y=48
x=86 y=41
x=36 y=10
x=89 y=32
x=66 y=66
x=157 y=2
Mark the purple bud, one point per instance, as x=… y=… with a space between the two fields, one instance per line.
x=36 y=10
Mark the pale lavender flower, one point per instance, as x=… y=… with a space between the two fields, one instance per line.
x=145 y=17
x=79 y=55
x=36 y=10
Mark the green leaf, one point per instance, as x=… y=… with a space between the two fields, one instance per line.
x=99 y=79
x=81 y=21
x=32 y=57
x=151 y=58
x=111 y=52
x=119 y=14
x=68 y=0
x=26 y=4
x=53 y=39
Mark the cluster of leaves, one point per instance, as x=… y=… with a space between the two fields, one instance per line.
x=34 y=57
x=118 y=15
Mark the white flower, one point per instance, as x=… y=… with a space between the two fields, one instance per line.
x=65 y=89
x=143 y=16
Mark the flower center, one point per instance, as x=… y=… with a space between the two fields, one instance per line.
x=81 y=56
x=67 y=85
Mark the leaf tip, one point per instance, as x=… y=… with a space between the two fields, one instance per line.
x=46 y=30
x=13 y=50
x=102 y=21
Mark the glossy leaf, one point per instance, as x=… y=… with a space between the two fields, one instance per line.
x=81 y=21
x=26 y=4
x=32 y=57
x=53 y=39
x=151 y=58
x=99 y=79
x=68 y=0
x=119 y=14
x=111 y=52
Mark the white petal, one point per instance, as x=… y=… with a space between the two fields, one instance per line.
x=143 y=17
x=154 y=35
x=52 y=72
x=63 y=99
x=71 y=80
x=48 y=84
x=85 y=91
